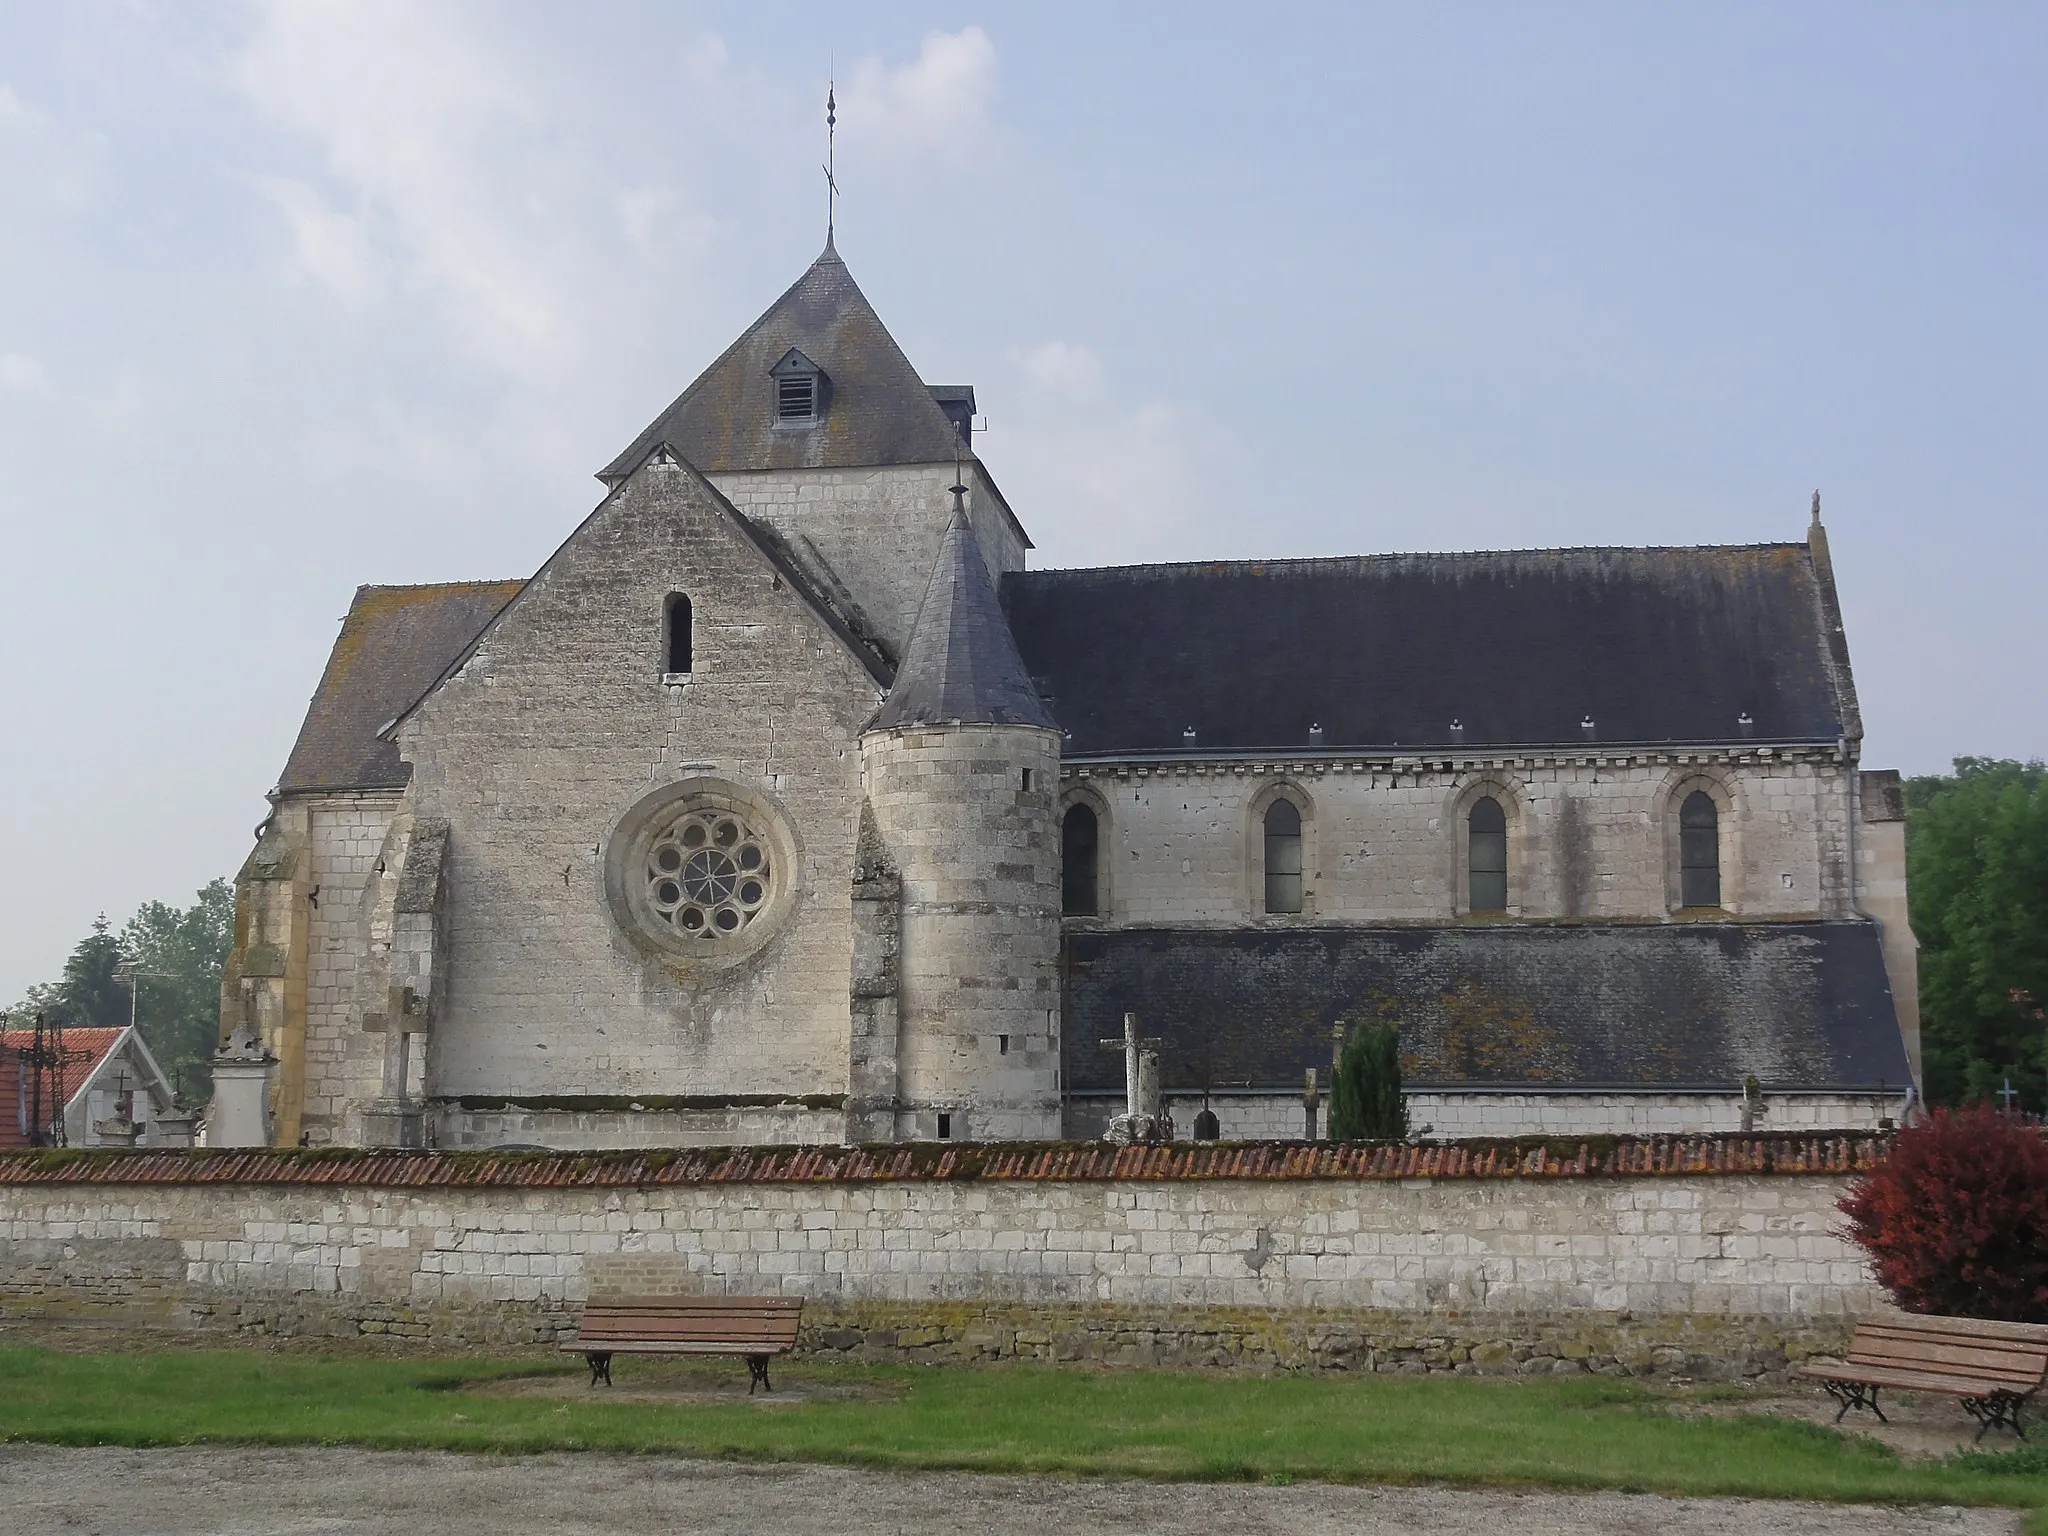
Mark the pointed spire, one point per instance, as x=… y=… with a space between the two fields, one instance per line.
x=831 y=164
x=961 y=666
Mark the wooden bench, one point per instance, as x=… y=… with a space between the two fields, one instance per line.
x=755 y=1327
x=1994 y=1368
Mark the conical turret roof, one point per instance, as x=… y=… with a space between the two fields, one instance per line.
x=961 y=666
x=877 y=410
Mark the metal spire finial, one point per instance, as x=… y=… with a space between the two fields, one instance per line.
x=831 y=158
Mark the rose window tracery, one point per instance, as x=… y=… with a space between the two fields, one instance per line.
x=708 y=874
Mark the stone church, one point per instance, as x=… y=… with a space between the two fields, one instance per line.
x=785 y=803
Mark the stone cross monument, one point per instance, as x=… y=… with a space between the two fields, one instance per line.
x=1144 y=1117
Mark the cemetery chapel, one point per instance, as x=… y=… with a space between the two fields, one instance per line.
x=787 y=803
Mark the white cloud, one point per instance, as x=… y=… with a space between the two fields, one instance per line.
x=23 y=374
x=39 y=160
x=431 y=137
x=1099 y=475
x=933 y=108
x=333 y=247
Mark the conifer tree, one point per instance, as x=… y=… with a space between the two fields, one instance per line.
x=1366 y=1102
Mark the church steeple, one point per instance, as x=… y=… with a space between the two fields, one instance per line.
x=961 y=666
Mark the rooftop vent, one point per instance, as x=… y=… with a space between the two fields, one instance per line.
x=800 y=390
x=1458 y=733
x=1586 y=728
x=1187 y=737
x=957 y=401
x=1315 y=735
x=1744 y=724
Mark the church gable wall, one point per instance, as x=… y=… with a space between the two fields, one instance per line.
x=877 y=530
x=1587 y=838
x=559 y=723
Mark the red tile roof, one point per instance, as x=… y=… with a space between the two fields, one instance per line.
x=1544 y=1158
x=84 y=1049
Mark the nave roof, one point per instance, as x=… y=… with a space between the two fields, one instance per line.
x=1517 y=649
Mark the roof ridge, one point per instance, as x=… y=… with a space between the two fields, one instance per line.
x=473 y=584
x=1300 y=562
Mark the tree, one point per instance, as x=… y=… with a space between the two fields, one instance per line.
x=1977 y=863
x=179 y=953
x=1366 y=1103
x=1955 y=1219
x=92 y=991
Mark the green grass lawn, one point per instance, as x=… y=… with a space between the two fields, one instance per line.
x=1578 y=1433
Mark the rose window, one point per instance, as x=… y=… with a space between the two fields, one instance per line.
x=708 y=874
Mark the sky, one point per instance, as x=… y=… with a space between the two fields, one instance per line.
x=299 y=296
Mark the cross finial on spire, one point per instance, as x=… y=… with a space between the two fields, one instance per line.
x=831 y=149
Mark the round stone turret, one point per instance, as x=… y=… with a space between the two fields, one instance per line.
x=961 y=768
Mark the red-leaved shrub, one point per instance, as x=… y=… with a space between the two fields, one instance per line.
x=1955 y=1219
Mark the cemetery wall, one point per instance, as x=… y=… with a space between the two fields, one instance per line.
x=1696 y=1256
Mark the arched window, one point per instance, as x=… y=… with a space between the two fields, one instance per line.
x=1283 y=857
x=1486 y=865
x=678 y=634
x=1699 y=851
x=1077 y=862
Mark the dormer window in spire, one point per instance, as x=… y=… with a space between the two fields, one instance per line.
x=801 y=390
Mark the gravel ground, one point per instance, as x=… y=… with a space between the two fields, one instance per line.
x=229 y=1491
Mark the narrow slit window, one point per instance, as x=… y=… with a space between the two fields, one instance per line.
x=1699 y=851
x=1486 y=833
x=678 y=634
x=1283 y=857
x=1078 y=852
x=796 y=397
x=1026 y=781
x=945 y=1127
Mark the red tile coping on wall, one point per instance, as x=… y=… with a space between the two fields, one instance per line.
x=1529 y=1157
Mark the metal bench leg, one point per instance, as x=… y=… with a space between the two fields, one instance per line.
x=757 y=1371
x=600 y=1362
x=1854 y=1394
x=1998 y=1408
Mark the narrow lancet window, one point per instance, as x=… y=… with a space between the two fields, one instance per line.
x=1078 y=851
x=678 y=634
x=1699 y=851
x=1486 y=868
x=1283 y=857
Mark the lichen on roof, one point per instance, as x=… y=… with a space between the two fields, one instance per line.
x=393 y=643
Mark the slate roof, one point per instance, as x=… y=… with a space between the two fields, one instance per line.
x=960 y=666
x=878 y=410
x=1386 y=651
x=1651 y=1006
x=393 y=644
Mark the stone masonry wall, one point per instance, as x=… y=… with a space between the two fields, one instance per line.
x=1706 y=1273
x=344 y=1065
x=877 y=530
x=557 y=724
x=967 y=814
x=1589 y=836
x=1278 y=1116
